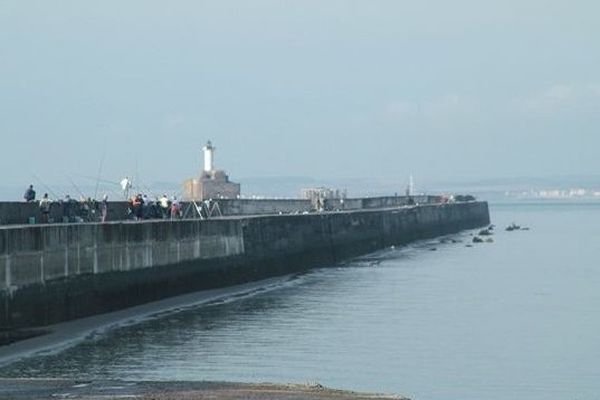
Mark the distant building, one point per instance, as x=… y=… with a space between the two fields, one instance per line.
x=212 y=183
x=318 y=195
x=410 y=188
x=321 y=193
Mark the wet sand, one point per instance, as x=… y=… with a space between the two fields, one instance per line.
x=30 y=389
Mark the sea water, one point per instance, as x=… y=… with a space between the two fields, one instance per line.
x=439 y=319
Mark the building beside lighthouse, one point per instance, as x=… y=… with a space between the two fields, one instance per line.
x=212 y=183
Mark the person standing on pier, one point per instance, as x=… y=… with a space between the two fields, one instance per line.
x=175 y=208
x=126 y=185
x=137 y=206
x=146 y=207
x=29 y=195
x=67 y=208
x=104 y=208
x=164 y=204
x=45 y=208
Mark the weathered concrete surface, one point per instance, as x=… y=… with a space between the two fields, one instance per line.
x=263 y=206
x=14 y=213
x=367 y=203
x=30 y=389
x=59 y=272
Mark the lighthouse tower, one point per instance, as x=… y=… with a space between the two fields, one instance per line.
x=212 y=183
x=410 y=188
x=209 y=152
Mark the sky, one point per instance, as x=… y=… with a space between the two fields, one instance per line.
x=445 y=90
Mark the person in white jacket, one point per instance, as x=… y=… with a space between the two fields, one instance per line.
x=45 y=203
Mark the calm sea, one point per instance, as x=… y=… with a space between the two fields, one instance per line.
x=517 y=318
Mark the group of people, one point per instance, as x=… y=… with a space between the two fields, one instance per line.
x=84 y=210
x=141 y=207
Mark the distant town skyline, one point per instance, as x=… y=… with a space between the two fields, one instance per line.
x=332 y=90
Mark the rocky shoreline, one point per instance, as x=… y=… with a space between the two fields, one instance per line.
x=30 y=389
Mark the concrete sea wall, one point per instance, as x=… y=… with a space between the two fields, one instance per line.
x=57 y=272
x=15 y=213
x=18 y=213
x=367 y=203
x=263 y=206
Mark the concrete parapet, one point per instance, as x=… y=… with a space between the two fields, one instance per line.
x=368 y=203
x=19 y=213
x=263 y=206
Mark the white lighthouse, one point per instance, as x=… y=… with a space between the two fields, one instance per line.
x=209 y=152
x=410 y=188
x=212 y=183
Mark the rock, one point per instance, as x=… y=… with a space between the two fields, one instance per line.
x=477 y=239
x=485 y=232
x=489 y=240
x=512 y=227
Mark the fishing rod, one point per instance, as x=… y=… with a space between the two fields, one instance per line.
x=99 y=174
x=76 y=188
x=99 y=180
x=148 y=190
x=44 y=186
x=115 y=194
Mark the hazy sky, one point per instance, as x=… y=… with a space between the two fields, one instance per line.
x=443 y=89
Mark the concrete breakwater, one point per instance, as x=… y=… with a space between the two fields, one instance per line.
x=16 y=213
x=51 y=273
